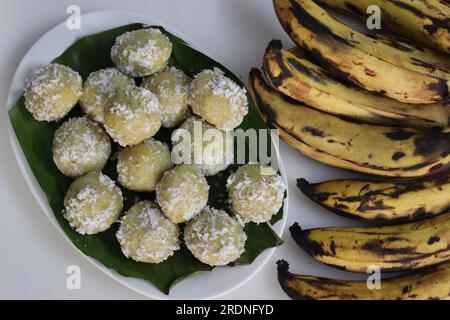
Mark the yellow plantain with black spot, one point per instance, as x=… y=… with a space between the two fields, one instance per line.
x=411 y=54
x=427 y=22
x=295 y=76
x=385 y=202
x=372 y=64
x=407 y=246
x=367 y=148
x=432 y=283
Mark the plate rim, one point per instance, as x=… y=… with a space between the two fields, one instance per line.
x=40 y=197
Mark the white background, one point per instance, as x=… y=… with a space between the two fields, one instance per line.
x=33 y=255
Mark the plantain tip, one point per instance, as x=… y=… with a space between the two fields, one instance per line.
x=302 y=183
x=295 y=228
x=301 y=237
x=273 y=45
x=282 y=266
x=254 y=71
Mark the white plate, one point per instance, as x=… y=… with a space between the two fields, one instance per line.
x=205 y=285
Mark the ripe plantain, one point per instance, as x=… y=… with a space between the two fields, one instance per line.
x=392 y=248
x=373 y=149
x=427 y=22
x=382 y=202
x=371 y=64
x=300 y=79
x=432 y=283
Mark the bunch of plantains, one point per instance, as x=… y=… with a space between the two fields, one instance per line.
x=376 y=104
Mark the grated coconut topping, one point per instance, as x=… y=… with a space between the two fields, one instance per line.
x=222 y=86
x=131 y=58
x=79 y=143
x=155 y=235
x=104 y=85
x=261 y=204
x=215 y=238
x=185 y=194
x=44 y=88
x=84 y=211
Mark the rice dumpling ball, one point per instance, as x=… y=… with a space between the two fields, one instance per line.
x=182 y=193
x=141 y=52
x=132 y=115
x=93 y=202
x=80 y=145
x=218 y=100
x=256 y=192
x=52 y=91
x=99 y=87
x=141 y=167
x=171 y=86
x=146 y=235
x=214 y=237
x=198 y=142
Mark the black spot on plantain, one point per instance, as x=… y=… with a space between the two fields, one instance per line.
x=380 y=93
x=290 y=100
x=301 y=237
x=436 y=25
x=314 y=132
x=354 y=198
x=311 y=23
x=424 y=64
x=310 y=73
x=407 y=289
x=419 y=214
x=333 y=247
x=418 y=166
x=322 y=196
x=440 y=87
x=402 y=41
x=394 y=239
x=334 y=70
x=399 y=135
x=380 y=217
x=376 y=247
x=398 y=155
x=377 y=205
x=393 y=42
x=433 y=239
x=432 y=144
x=340 y=206
x=393 y=192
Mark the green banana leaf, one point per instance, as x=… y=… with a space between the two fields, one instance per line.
x=89 y=54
